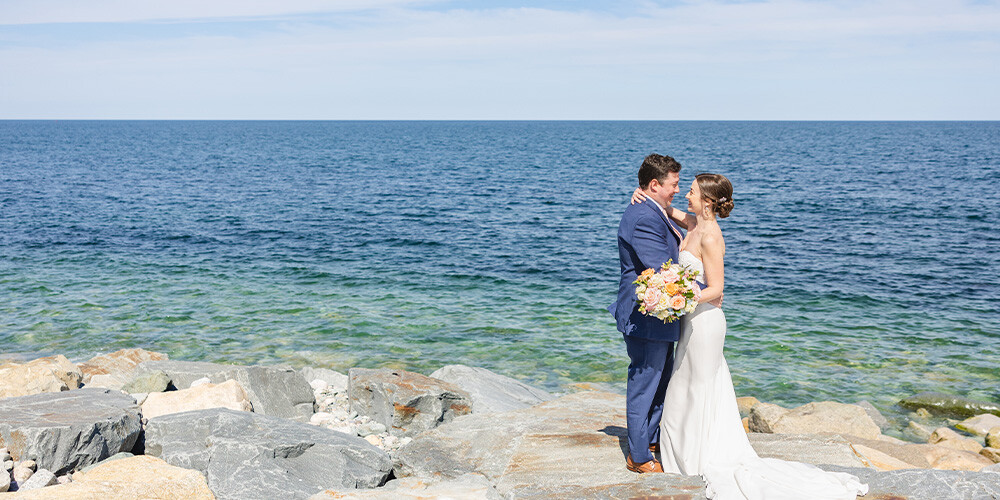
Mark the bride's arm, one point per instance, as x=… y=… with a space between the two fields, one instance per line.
x=712 y=250
x=682 y=218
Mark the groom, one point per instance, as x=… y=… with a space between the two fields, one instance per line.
x=646 y=239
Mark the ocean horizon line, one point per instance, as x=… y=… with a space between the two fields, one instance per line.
x=489 y=120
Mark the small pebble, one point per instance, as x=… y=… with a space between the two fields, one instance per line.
x=320 y=418
x=923 y=413
x=30 y=464
x=201 y=381
x=374 y=440
x=391 y=441
x=64 y=479
x=319 y=385
x=8 y=465
x=40 y=479
x=22 y=474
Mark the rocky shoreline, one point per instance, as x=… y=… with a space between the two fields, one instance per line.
x=134 y=424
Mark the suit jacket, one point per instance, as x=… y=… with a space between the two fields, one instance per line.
x=646 y=239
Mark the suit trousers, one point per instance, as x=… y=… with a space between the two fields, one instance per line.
x=650 y=364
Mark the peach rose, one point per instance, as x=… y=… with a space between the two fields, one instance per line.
x=669 y=276
x=647 y=273
x=672 y=289
x=652 y=298
x=677 y=302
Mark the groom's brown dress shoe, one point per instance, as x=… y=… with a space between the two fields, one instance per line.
x=643 y=468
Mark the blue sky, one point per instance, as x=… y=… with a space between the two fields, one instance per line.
x=556 y=59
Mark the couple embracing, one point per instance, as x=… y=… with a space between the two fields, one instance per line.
x=680 y=401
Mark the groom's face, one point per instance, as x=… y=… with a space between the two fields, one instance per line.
x=663 y=192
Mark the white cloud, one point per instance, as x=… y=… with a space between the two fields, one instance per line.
x=117 y=11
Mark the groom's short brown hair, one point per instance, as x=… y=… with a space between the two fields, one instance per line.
x=657 y=167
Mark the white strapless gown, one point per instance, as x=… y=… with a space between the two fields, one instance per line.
x=701 y=432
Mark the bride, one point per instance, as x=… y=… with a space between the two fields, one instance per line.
x=701 y=432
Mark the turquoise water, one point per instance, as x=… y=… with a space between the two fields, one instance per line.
x=862 y=257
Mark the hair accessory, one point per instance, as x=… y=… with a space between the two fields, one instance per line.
x=723 y=198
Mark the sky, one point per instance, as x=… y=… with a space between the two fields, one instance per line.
x=500 y=60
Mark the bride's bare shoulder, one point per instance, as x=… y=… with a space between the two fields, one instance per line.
x=712 y=239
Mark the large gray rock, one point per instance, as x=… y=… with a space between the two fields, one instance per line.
x=67 y=430
x=247 y=455
x=406 y=403
x=571 y=447
x=279 y=392
x=949 y=406
x=491 y=392
x=921 y=484
x=810 y=449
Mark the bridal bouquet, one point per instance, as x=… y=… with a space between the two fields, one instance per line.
x=668 y=294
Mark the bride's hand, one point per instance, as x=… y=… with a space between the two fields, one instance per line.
x=717 y=302
x=638 y=196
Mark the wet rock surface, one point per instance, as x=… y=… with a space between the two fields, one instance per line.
x=948 y=405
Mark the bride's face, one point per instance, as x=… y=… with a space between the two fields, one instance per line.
x=695 y=202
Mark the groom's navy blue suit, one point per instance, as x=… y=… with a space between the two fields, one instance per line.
x=646 y=239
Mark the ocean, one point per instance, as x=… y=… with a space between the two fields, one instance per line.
x=862 y=257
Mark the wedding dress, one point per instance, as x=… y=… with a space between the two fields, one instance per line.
x=701 y=432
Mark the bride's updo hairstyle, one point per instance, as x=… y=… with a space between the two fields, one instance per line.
x=718 y=191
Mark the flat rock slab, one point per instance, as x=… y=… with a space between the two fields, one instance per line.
x=51 y=374
x=248 y=455
x=467 y=487
x=808 y=448
x=130 y=478
x=571 y=447
x=67 y=430
x=921 y=484
x=406 y=403
x=491 y=392
x=279 y=392
x=948 y=405
x=980 y=425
